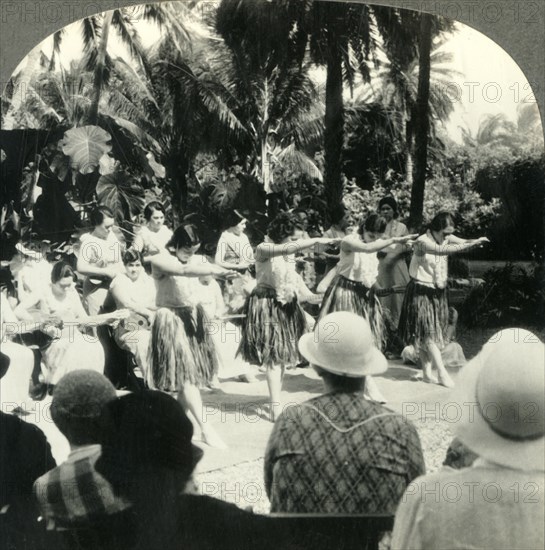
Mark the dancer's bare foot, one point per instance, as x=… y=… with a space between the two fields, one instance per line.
x=446 y=380
x=212 y=439
x=429 y=379
x=274 y=409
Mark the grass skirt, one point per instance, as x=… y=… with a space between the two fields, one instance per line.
x=346 y=295
x=181 y=350
x=271 y=330
x=424 y=315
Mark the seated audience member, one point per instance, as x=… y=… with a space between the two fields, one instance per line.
x=25 y=455
x=71 y=348
x=73 y=494
x=498 y=502
x=148 y=457
x=340 y=453
x=134 y=290
x=31 y=272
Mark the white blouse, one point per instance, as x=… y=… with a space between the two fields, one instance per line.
x=427 y=268
x=358 y=266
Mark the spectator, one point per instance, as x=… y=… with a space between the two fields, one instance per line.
x=148 y=457
x=74 y=494
x=340 y=453
x=25 y=454
x=498 y=502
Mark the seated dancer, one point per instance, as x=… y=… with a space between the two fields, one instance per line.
x=354 y=285
x=134 y=290
x=72 y=348
x=182 y=354
x=99 y=258
x=234 y=251
x=452 y=354
x=424 y=316
x=274 y=318
x=154 y=236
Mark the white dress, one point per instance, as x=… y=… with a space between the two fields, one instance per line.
x=71 y=349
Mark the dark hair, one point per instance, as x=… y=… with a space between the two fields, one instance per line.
x=131 y=255
x=152 y=207
x=374 y=223
x=283 y=225
x=97 y=215
x=391 y=202
x=61 y=270
x=337 y=213
x=232 y=218
x=347 y=384
x=184 y=236
x=441 y=220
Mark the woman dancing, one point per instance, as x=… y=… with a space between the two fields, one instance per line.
x=353 y=288
x=424 y=315
x=234 y=251
x=274 y=319
x=182 y=355
x=152 y=237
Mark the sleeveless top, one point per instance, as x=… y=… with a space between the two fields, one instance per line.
x=361 y=267
x=427 y=268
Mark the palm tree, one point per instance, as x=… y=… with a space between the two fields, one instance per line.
x=343 y=37
x=397 y=90
x=268 y=87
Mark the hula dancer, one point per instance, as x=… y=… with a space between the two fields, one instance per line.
x=424 y=315
x=182 y=355
x=274 y=319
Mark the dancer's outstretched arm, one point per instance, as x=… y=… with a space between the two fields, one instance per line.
x=448 y=248
x=265 y=251
x=353 y=245
x=171 y=266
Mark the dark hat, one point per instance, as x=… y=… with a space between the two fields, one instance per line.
x=390 y=201
x=4 y=364
x=143 y=432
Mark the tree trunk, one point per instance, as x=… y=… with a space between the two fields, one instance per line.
x=100 y=68
x=421 y=123
x=333 y=127
x=409 y=141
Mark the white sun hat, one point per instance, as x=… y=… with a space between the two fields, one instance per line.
x=342 y=343
x=502 y=396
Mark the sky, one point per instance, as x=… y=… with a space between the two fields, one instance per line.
x=486 y=81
